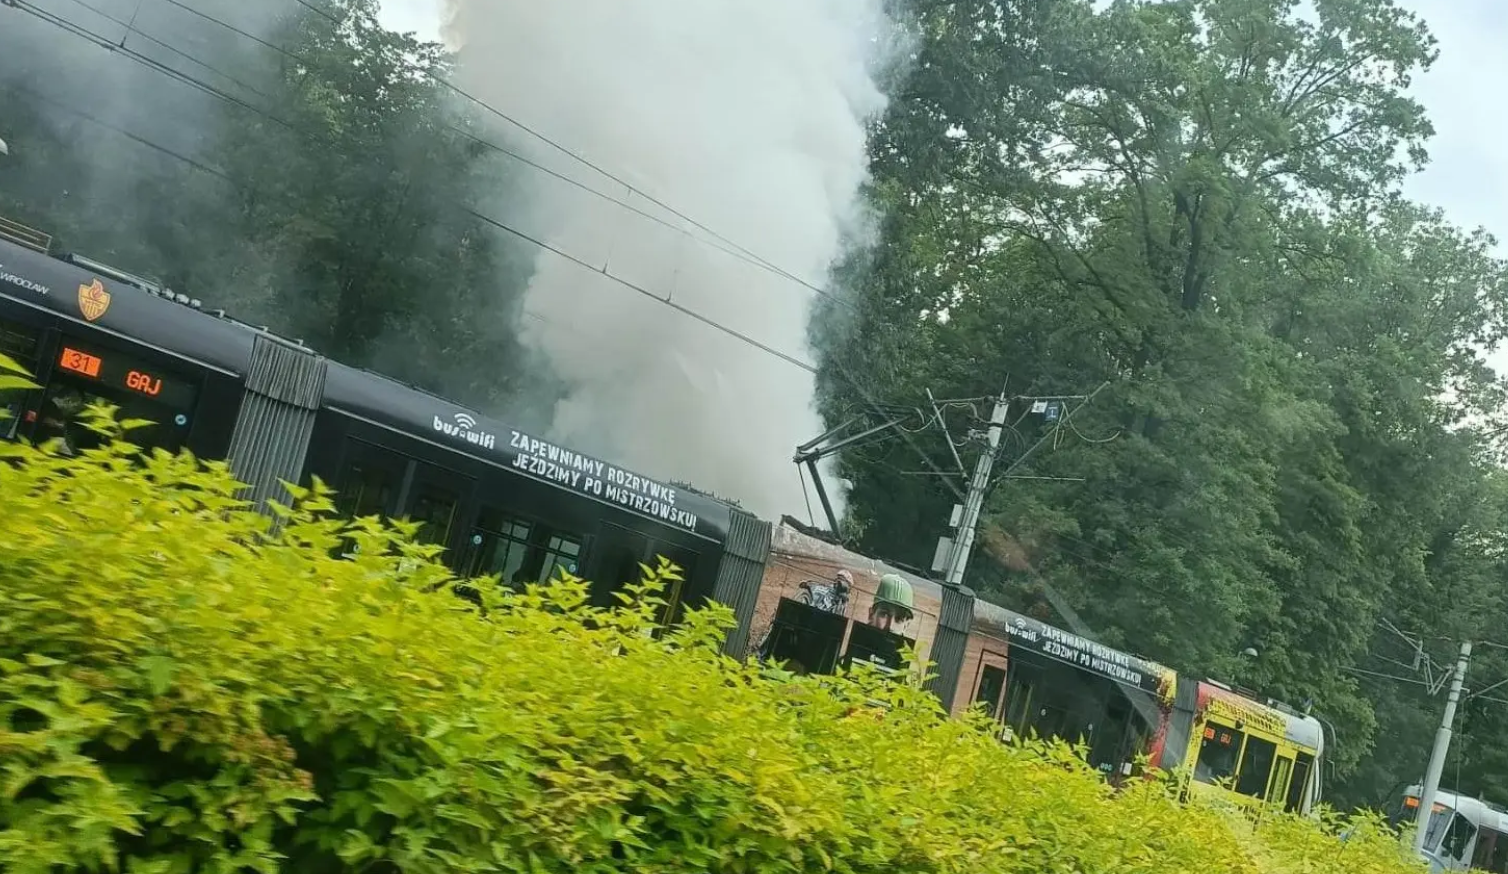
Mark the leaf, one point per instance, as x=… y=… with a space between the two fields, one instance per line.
x=159 y=671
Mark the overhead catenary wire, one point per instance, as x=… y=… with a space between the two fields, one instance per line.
x=719 y=241
x=101 y=41
x=846 y=374
x=109 y=45
x=130 y=29
x=666 y=301
x=587 y=163
x=39 y=97
x=632 y=187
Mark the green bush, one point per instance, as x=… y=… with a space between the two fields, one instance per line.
x=182 y=689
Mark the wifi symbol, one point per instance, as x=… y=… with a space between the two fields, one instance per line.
x=465 y=421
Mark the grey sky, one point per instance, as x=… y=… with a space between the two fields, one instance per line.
x=1464 y=94
x=419 y=16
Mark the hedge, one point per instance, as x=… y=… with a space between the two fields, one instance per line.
x=185 y=689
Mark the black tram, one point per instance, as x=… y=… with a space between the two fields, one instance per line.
x=500 y=500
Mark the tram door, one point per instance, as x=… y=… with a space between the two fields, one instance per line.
x=617 y=554
x=1298 y=787
x=1278 y=783
x=379 y=482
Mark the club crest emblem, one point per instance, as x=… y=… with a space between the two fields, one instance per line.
x=93 y=300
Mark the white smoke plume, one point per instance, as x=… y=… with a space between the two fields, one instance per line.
x=747 y=116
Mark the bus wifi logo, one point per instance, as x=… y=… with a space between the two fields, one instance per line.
x=465 y=428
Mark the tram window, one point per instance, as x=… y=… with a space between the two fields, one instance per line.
x=876 y=646
x=435 y=509
x=1299 y=784
x=616 y=557
x=1491 y=853
x=1497 y=858
x=683 y=593
x=521 y=551
x=1256 y=767
x=1219 y=754
x=1053 y=720
x=368 y=489
x=991 y=688
x=22 y=345
x=803 y=638
x=502 y=551
x=1437 y=822
x=1457 y=838
x=86 y=375
x=1277 y=786
x=1121 y=734
x=62 y=417
x=1024 y=680
x=561 y=554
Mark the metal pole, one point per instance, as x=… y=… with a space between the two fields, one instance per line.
x=827 y=505
x=1442 y=746
x=974 y=502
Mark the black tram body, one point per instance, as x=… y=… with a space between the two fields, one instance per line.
x=500 y=500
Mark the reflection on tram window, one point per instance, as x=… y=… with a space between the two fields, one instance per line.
x=59 y=421
x=435 y=509
x=560 y=556
x=1256 y=768
x=20 y=344
x=62 y=417
x=12 y=412
x=520 y=551
x=1458 y=837
x=503 y=551
x=1218 y=754
x=367 y=490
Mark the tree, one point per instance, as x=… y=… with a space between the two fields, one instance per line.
x=1197 y=204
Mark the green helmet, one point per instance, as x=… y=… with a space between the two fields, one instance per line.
x=895 y=591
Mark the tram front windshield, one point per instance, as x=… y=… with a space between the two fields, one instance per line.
x=88 y=375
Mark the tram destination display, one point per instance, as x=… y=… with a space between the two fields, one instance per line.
x=121 y=372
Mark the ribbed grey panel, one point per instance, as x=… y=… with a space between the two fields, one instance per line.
x=957 y=609
x=287 y=373
x=284 y=387
x=947 y=652
x=741 y=573
x=954 y=620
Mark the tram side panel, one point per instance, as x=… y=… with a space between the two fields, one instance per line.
x=492 y=508
x=499 y=500
x=820 y=607
x=1037 y=680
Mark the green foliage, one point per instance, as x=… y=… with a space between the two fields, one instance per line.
x=1198 y=204
x=183 y=689
x=13 y=376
